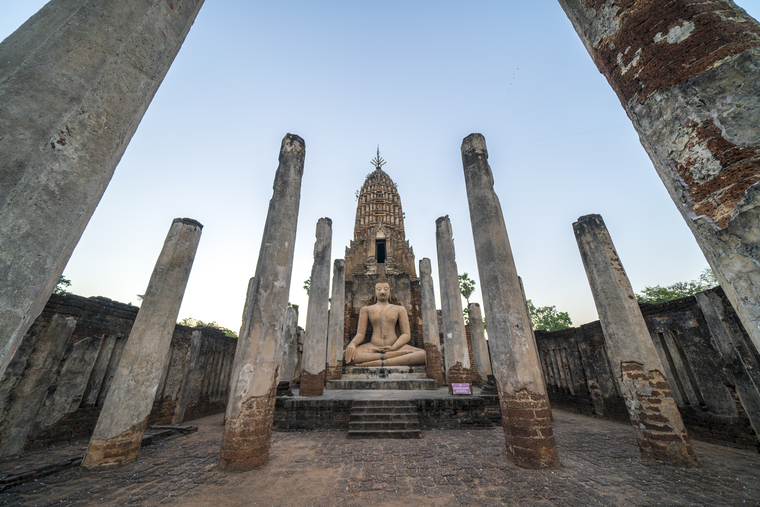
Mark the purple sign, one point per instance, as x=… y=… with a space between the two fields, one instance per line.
x=461 y=388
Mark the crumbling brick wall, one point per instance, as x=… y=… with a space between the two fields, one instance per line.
x=578 y=374
x=195 y=383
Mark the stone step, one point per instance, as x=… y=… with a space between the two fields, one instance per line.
x=383 y=425
x=384 y=434
x=383 y=372
x=390 y=376
x=382 y=384
x=383 y=411
x=374 y=416
x=412 y=405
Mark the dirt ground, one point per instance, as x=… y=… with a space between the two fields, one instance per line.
x=601 y=465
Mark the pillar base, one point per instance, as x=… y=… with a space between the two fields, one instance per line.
x=526 y=418
x=247 y=437
x=334 y=372
x=110 y=452
x=458 y=375
x=659 y=428
x=312 y=384
x=433 y=368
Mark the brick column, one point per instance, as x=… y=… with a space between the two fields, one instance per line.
x=250 y=409
x=687 y=73
x=430 y=338
x=455 y=349
x=124 y=416
x=336 y=322
x=315 y=339
x=525 y=411
x=77 y=79
x=653 y=411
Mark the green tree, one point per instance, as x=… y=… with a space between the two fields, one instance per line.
x=659 y=294
x=191 y=322
x=466 y=286
x=61 y=286
x=307 y=285
x=547 y=318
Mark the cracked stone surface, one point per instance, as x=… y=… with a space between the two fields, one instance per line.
x=601 y=465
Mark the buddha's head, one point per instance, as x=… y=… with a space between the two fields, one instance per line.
x=382 y=291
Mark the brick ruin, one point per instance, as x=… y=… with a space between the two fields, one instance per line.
x=579 y=376
x=195 y=383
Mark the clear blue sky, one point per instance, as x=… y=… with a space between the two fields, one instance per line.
x=413 y=77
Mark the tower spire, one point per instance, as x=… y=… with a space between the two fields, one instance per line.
x=377 y=161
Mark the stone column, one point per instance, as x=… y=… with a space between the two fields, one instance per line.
x=633 y=358
x=526 y=415
x=336 y=322
x=479 y=343
x=687 y=73
x=433 y=367
x=143 y=363
x=455 y=350
x=77 y=78
x=22 y=397
x=253 y=383
x=315 y=339
x=290 y=345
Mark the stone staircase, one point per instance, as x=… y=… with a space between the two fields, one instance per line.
x=382 y=377
x=384 y=419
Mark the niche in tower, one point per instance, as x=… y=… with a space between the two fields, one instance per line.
x=380 y=250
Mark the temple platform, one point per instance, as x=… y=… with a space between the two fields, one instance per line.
x=406 y=378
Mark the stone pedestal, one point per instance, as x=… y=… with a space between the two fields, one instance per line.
x=479 y=344
x=253 y=384
x=633 y=358
x=124 y=416
x=526 y=415
x=454 y=339
x=315 y=339
x=336 y=322
x=687 y=73
x=430 y=338
x=76 y=82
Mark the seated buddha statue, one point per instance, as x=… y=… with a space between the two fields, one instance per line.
x=384 y=348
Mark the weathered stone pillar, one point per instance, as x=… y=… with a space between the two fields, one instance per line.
x=315 y=339
x=633 y=358
x=77 y=78
x=253 y=383
x=455 y=350
x=479 y=343
x=526 y=415
x=433 y=367
x=687 y=73
x=290 y=345
x=336 y=323
x=191 y=377
x=22 y=395
x=143 y=363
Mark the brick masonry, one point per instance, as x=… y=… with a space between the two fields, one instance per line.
x=335 y=373
x=579 y=378
x=527 y=421
x=433 y=365
x=247 y=437
x=312 y=384
x=192 y=386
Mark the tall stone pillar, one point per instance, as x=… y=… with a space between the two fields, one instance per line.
x=124 y=415
x=253 y=383
x=687 y=73
x=633 y=358
x=315 y=340
x=455 y=350
x=336 y=322
x=290 y=345
x=526 y=415
x=77 y=78
x=479 y=343
x=430 y=339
